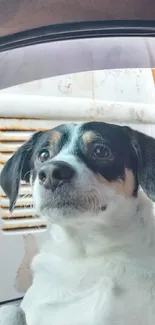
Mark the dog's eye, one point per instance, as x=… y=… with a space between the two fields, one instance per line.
x=44 y=155
x=101 y=151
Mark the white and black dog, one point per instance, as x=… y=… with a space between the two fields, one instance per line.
x=97 y=266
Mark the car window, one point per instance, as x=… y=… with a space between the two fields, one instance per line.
x=41 y=86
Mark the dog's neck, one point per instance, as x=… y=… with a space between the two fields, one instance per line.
x=127 y=225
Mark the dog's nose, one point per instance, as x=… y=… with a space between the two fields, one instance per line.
x=53 y=173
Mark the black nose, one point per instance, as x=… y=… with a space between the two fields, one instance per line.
x=53 y=173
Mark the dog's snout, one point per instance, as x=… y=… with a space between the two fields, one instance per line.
x=56 y=172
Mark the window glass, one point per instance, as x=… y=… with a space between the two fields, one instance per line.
x=41 y=86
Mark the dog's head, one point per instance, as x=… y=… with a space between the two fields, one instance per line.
x=81 y=167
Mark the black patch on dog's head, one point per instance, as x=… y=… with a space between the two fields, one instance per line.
x=131 y=149
x=122 y=154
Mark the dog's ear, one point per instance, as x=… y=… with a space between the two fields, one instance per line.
x=144 y=147
x=18 y=168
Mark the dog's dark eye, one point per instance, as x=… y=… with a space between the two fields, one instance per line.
x=101 y=151
x=44 y=155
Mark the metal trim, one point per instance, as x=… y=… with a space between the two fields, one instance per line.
x=78 y=30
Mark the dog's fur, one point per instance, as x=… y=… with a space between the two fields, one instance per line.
x=97 y=266
x=12 y=315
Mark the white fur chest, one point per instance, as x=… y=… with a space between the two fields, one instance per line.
x=71 y=288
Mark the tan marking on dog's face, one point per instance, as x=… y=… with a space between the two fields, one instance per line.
x=88 y=137
x=55 y=137
x=125 y=187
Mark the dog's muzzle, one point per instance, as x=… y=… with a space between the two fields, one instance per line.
x=55 y=174
x=63 y=186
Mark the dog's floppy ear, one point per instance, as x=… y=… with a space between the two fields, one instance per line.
x=144 y=147
x=18 y=168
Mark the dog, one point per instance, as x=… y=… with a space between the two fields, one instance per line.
x=97 y=266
